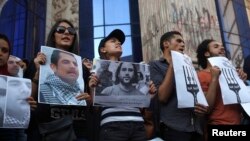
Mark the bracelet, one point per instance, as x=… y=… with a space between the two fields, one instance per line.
x=35 y=81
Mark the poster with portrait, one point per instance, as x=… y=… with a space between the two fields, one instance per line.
x=60 y=78
x=233 y=89
x=188 y=87
x=14 y=90
x=121 y=84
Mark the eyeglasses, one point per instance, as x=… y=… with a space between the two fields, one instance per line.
x=4 y=49
x=62 y=29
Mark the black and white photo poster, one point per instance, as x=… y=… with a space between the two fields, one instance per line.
x=14 y=107
x=121 y=84
x=233 y=89
x=188 y=87
x=60 y=79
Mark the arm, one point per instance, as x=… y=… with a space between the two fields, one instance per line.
x=32 y=102
x=163 y=78
x=166 y=87
x=152 y=89
x=210 y=88
x=40 y=59
x=242 y=74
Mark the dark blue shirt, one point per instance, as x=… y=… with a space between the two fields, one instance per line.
x=182 y=120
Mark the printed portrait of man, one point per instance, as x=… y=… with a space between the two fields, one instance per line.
x=127 y=88
x=17 y=114
x=61 y=87
x=126 y=76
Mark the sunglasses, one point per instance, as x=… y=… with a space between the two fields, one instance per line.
x=4 y=49
x=87 y=60
x=62 y=29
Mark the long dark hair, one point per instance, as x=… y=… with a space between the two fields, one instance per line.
x=51 y=37
x=133 y=80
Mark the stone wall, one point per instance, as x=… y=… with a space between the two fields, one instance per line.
x=195 y=19
x=66 y=9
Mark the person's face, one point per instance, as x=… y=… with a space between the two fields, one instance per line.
x=66 y=68
x=126 y=73
x=176 y=43
x=13 y=66
x=87 y=63
x=4 y=52
x=215 y=49
x=112 y=48
x=18 y=91
x=64 y=40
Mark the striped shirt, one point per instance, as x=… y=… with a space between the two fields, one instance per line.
x=118 y=114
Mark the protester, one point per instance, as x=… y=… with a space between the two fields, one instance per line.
x=7 y=134
x=62 y=86
x=219 y=114
x=127 y=122
x=176 y=124
x=61 y=36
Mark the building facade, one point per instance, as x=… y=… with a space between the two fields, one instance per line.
x=27 y=22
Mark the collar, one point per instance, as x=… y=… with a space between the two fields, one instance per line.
x=163 y=60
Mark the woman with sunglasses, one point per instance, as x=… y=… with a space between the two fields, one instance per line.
x=61 y=36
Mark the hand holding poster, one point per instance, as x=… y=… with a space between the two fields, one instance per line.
x=121 y=84
x=233 y=89
x=188 y=88
x=60 y=78
x=14 y=90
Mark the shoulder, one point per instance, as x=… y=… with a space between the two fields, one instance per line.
x=153 y=62
x=108 y=90
x=158 y=63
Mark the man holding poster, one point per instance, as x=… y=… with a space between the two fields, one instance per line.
x=209 y=79
x=183 y=124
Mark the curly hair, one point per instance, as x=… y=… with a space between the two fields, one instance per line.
x=201 y=50
x=135 y=76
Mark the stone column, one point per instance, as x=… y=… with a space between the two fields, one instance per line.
x=66 y=9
